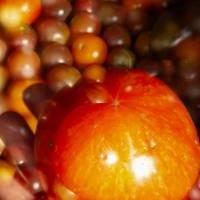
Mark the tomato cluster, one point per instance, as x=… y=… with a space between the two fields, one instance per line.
x=95 y=97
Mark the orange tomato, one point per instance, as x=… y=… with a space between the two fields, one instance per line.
x=14 y=14
x=89 y=49
x=129 y=137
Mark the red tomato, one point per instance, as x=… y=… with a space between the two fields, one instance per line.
x=128 y=138
x=14 y=14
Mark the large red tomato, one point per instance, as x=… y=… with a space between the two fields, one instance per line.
x=128 y=138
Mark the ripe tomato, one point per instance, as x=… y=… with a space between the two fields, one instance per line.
x=127 y=138
x=14 y=14
x=84 y=22
x=89 y=49
x=15 y=95
x=86 y=5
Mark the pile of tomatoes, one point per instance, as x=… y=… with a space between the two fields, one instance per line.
x=99 y=99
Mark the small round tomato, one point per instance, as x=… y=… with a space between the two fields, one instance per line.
x=86 y=5
x=83 y=22
x=13 y=14
x=89 y=49
x=128 y=137
x=94 y=73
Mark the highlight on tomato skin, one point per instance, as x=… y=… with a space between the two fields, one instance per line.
x=14 y=14
x=129 y=138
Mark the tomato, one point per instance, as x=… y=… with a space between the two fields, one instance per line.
x=83 y=22
x=89 y=49
x=128 y=137
x=15 y=95
x=86 y=5
x=14 y=14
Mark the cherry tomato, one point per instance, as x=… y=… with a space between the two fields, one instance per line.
x=86 y=5
x=89 y=49
x=84 y=22
x=13 y=14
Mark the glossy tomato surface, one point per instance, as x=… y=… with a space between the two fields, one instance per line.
x=16 y=13
x=127 y=138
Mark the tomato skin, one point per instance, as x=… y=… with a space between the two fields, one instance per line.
x=89 y=6
x=15 y=95
x=89 y=49
x=84 y=22
x=14 y=14
x=128 y=138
